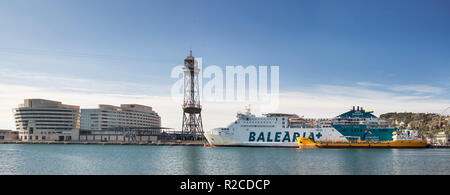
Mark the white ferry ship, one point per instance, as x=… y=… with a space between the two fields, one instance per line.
x=271 y=130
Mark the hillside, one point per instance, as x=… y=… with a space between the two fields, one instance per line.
x=424 y=122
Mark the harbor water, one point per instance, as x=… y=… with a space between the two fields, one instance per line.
x=38 y=159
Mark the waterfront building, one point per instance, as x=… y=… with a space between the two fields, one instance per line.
x=102 y=123
x=441 y=139
x=8 y=135
x=46 y=120
x=127 y=115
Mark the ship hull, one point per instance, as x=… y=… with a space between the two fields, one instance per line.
x=305 y=143
x=360 y=131
x=282 y=138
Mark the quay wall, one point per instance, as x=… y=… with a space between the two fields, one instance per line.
x=174 y=143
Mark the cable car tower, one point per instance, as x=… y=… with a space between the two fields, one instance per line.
x=192 y=117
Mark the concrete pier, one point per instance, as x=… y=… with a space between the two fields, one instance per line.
x=172 y=143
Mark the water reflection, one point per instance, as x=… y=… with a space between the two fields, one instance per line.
x=94 y=159
x=356 y=161
x=191 y=160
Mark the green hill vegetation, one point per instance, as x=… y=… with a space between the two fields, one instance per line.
x=426 y=123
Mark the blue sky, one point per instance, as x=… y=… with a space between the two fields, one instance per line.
x=395 y=47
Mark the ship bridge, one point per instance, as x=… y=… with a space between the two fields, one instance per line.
x=357 y=113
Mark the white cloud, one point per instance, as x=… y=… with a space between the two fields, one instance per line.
x=310 y=104
x=369 y=84
x=418 y=89
x=12 y=95
x=78 y=84
x=323 y=101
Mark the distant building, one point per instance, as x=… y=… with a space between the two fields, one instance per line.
x=102 y=123
x=46 y=120
x=127 y=115
x=441 y=139
x=8 y=135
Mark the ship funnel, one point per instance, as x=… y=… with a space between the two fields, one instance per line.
x=353 y=108
x=357 y=108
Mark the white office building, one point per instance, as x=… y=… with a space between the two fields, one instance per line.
x=46 y=120
x=127 y=115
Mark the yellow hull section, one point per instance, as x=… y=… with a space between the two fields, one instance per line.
x=308 y=143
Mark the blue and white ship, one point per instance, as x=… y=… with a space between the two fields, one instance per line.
x=363 y=125
x=271 y=130
x=282 y=130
